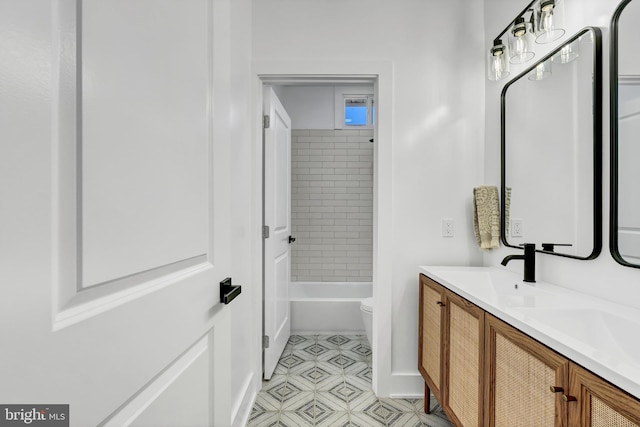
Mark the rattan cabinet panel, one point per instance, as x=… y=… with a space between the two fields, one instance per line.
x=597 y=403
x=431 y=322
x=464 y=373
x=520 y=373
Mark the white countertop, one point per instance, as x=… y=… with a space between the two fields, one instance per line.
x=602 y=336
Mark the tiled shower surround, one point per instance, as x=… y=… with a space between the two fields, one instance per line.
x=332 y=205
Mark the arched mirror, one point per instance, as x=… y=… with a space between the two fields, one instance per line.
x=552 y=151
x=625 y=134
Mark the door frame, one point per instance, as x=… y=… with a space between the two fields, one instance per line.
x=269 y=72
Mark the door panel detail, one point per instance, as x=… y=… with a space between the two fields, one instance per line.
x=133 y=139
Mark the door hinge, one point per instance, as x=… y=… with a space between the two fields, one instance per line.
x=266 y=122
x=265 y=341
x=265 y=232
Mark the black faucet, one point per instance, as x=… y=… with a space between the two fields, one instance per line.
x=529 y=258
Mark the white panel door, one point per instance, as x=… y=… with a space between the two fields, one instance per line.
x=277 y=216
x=115 y=210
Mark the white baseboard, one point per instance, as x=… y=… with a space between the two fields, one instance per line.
x=328 y=332
x=241 y=409
x=407 y=385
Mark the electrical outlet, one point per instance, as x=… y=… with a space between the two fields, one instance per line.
x=516 y=227
x=447 y=227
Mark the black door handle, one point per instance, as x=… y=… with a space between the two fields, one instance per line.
x=291 y=239
x=228 y=292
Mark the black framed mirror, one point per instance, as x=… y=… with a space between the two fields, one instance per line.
x=551 y=157
x=624 y=240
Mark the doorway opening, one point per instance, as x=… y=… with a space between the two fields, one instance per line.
x=332 y=208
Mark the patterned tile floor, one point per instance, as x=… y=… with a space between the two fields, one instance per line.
x=325 y=380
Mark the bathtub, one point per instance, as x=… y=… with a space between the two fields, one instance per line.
x=327 y=308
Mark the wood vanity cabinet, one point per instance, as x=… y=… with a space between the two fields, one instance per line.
x=451 y=356
x=528 y=384
x=485 y=372
x=430 y=337
x=598 y=403
x=521 y=373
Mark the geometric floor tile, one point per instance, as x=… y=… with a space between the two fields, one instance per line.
x=338 y=340
x=315 y=349
x=362 y=419
x=341 y=361
x=326 y=381
x=362 y=350
x=291 y=360
x=315 y=375
x=297 y=339
x=364 y=374
x=284 y=391
x=339 y=393
x=382 y=412
x=345 y=391
x=307 y=411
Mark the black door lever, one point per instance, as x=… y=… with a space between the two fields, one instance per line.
x=291 y=239
x=228 y=292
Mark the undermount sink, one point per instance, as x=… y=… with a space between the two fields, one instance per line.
x=491 y=281
x=592 y=327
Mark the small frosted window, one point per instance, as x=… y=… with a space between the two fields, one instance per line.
x=358 y=111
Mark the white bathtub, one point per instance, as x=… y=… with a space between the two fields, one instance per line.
x=327 y=308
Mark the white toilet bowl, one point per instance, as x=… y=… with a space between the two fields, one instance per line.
x=366 y=308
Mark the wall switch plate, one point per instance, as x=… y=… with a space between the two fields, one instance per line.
x=516 y=227
x=447 y=227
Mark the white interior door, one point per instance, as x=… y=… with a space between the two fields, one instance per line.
x=115 y=212
x=277 y=217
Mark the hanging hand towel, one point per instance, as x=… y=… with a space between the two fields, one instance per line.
x=507 y=208
x=486 y=216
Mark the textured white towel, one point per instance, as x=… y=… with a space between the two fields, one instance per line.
x=486 y=217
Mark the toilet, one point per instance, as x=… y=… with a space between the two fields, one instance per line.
x=366 y=309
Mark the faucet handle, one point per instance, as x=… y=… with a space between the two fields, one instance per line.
x=549 y=247
x=527 y=245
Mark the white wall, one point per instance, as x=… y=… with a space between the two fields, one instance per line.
x=310 y=107
x=602 y=277
x=437 y=146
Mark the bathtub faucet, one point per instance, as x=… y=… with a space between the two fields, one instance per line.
x=529 y=258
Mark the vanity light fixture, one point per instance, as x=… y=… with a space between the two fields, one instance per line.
x=498 y=66
x=542 y=71
x=518 y=36
x=540 y=20
x=520 y=46
x=548 y=25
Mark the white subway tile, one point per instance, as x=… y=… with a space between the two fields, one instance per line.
x=310 y=139
x=348 y=132
x=337 y=139
x=321 y=132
